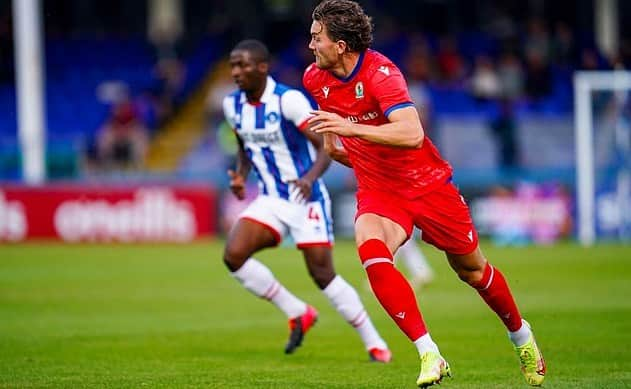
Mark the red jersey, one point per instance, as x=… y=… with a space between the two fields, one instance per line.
x=368 y=95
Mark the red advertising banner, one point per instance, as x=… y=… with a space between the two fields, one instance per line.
x=79 y=213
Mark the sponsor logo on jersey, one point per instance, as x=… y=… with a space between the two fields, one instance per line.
x=385 y=70
x=363 y=117
x=260 y=136
x=359 y=90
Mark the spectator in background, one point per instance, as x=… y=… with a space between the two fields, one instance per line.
x=501 y=25
x=170 y=74
x=503 y=86
x=122 y=142
x=564 y=52
x=538 y=76
x=450 y=63
x=420 y=70
x=504 y=128
x=537 y=57
x=511 y=76
x=485 y=83
x=537 y=42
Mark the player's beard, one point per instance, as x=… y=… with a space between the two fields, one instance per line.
x=322 y=64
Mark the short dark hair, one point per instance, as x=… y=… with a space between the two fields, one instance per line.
x=257 y=49
x=345 y=20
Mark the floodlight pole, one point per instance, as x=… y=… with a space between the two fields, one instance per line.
x=29 y=76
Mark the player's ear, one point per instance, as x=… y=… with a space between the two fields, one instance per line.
x=263 y=67
x=341 y=47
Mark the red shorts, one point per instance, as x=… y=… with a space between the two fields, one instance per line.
x=442 y=216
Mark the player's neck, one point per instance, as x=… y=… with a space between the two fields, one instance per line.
x=346 y=65
x=254 y=96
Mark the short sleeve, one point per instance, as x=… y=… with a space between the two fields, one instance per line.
x=296 y=107
x=390 y=89
x=229 y=110
x=307 y=77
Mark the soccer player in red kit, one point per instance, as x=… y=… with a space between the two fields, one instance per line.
x=370 y=124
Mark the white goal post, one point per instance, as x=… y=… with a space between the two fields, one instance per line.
x=586 y=82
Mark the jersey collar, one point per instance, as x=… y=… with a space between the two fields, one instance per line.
x=358 y=66
x=270 y=86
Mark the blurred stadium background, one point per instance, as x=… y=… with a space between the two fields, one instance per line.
x=111 y=131
x=120 y=111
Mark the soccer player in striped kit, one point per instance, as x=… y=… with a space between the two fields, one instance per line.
x=402 y=182
x=270 y=122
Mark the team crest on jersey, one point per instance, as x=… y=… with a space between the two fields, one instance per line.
x=325 y=90
x=272 y=117
x=359 y=90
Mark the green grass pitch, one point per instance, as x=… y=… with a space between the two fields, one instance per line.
x=170 y=316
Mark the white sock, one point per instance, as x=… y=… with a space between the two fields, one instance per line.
x=414 y=260
x=346 y=301
x=522 y=335
x=425 y=344
x=258 y=279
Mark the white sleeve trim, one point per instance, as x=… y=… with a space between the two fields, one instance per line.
x=295 y=106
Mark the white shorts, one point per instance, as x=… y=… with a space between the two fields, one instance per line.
x=308 y=224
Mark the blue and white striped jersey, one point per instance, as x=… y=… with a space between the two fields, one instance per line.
x=272 y=137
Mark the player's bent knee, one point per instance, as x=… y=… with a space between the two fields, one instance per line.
x=322 y=275
x=362 y=236
x=469 y=267
x=471 y=277
x=231 y=265
x=234 y=257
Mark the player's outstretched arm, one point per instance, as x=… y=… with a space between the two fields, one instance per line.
x=403 y=130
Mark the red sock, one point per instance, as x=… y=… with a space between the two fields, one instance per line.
x=391 y=288
x=495 y=292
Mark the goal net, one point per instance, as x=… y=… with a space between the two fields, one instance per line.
x=602 y=112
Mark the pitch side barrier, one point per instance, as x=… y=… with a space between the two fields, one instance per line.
x=130 y=213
